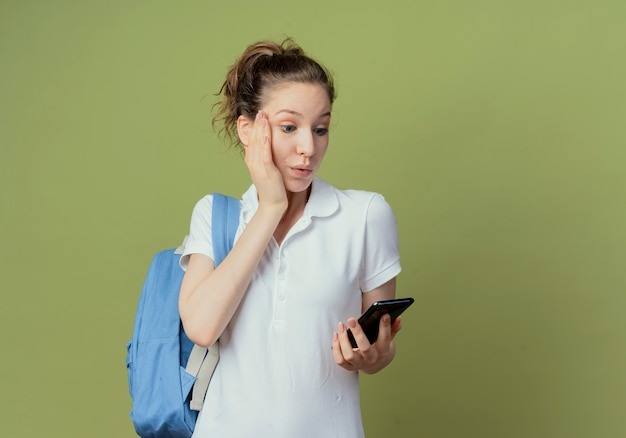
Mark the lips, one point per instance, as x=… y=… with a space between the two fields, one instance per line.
x=302 y=171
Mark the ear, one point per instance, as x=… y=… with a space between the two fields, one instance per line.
x=244 y=127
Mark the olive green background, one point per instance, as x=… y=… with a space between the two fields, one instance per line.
x=495 y=129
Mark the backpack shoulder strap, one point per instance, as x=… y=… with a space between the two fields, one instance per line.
x=202 y=361
x=224 y=223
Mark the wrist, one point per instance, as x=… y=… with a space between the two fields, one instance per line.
x=270 y=216
x=272 y=211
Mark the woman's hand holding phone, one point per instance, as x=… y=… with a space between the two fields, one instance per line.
x=367 y=344
x=366 y=357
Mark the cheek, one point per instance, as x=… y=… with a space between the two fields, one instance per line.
x=322 y=145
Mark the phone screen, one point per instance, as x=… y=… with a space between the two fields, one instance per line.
x=370 y=320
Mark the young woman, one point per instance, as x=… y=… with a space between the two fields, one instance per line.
x=307 y=260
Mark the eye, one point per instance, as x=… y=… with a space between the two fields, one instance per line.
x=320 y=131
x=287 y=128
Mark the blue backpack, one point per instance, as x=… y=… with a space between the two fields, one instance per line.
x=163 y=364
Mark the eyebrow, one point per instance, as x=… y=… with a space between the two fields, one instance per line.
x=296 y=113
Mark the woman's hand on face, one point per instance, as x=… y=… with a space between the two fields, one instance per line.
x=368 y=358
x=264 y=173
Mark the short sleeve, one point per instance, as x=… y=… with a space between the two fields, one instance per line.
x=381 y=260
x=199 y=240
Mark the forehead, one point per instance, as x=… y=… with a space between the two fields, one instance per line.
x=305 y=98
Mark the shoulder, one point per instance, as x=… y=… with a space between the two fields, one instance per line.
x=372 y=204
x=202 y=211
x=355 y=208
x=360 y=197
x=204 y=205
x=348 y=199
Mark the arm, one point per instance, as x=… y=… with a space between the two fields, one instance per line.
x=209 y=297
x=368 y=358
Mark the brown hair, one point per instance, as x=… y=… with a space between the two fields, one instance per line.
x=261 y=66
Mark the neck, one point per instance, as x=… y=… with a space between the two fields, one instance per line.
x=297 y=201
x=295 y=208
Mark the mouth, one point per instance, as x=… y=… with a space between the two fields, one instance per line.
x=302 y=171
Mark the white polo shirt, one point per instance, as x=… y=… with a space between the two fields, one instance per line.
x=276 y=376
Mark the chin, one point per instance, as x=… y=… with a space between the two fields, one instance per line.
x=298 y=186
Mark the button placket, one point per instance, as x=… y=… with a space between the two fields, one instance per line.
x=281 y=288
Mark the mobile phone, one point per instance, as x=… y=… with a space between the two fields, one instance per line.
x=370 y=320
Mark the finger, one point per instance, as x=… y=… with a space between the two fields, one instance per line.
x=267 y=128
x=363 y=344
x=266 y=143
x=384 y=334
x=337 y=356
x=256 y=139
x=350 y=353
x=396 y=326
x=251 y=148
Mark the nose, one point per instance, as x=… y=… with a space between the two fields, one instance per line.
x=306 y=145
